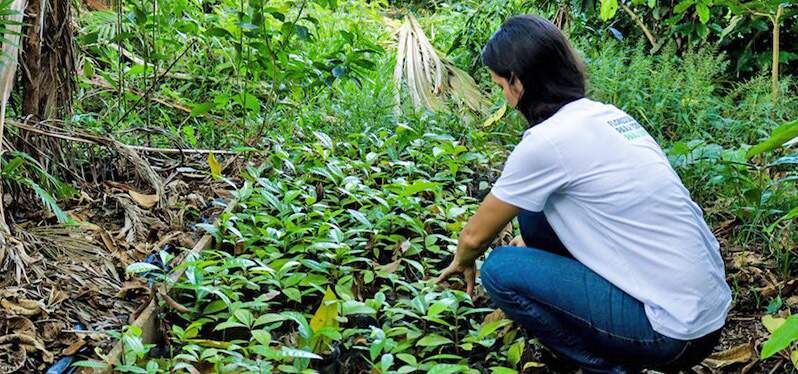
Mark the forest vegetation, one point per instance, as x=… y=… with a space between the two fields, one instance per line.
x=273 y=185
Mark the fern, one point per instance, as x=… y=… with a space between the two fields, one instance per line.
x=103 y=23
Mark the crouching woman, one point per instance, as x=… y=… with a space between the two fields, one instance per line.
x=615 y=268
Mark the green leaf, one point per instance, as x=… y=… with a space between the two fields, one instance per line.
x=502 y=370
x=356 y=307
x=48 y=201
x=293 y=294
x=433 y=340
x=515 y=351
x=781 y=338
x=201 y=109
x=418 y=186
x=682 y=6
x=608 y=9
x=780 y=135
x=244 y=316
x=703 y=12
x=408 y=359
x=91 y=364
x=262 y=336
x=297 y=353
x=140 y=267
x=492 y=326
x=447 y=369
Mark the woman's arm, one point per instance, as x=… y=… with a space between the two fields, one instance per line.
x=491 y=217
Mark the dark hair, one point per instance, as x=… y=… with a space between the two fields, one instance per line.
x=532 y=49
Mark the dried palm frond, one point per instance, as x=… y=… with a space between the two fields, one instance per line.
x=10 y=27
x=428 y=76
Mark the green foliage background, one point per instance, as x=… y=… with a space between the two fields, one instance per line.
x=342 y=193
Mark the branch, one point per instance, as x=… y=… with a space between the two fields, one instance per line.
x=640 y=24
x=97 y=140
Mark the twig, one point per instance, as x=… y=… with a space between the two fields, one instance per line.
x=89 y=139
x=155 y=84
x=640 y=24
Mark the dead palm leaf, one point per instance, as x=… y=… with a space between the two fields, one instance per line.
x=11 y=30
x=428 y=76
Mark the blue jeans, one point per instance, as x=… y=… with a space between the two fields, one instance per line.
x=575 y=312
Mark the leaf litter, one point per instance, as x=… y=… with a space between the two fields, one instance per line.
x=63 y=287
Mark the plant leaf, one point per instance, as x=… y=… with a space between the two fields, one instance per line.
x=216 y=167
x=780 y=135
x=781 y=338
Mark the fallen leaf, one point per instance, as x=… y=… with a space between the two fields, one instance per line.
x=736 y=355
x=533 y=364
x=74 y=347
x=13 y=360
x=51 y=329
x=23 y=307
x=143 y=200
x=390 y=267
x=108 y=241
x=216 y=167
x=131 y=285
x=271 y=295
x=496 y=315
x=772 y=323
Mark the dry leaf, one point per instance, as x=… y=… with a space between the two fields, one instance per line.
x=271 y=295
x=56 y=296
x=772 y=323
x=391 y=267
x=144 y=201
x=23 y=308
x=51 y=329
x=107 y=240
x=13 y=360
x=131 y=285
x=74 y=347
x=496 y=315
x=737 y=355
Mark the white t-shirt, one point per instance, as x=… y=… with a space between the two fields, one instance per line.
x=614 y=200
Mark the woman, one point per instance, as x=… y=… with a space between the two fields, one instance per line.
x=615 y=268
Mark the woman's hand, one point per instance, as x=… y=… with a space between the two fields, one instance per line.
x=468 y=269
x=491 y=217
x=517 y=241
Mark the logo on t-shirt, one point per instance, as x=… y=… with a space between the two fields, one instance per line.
x=628 y=127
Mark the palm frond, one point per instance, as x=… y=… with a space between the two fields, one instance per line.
x=11 y=33
x=429 y=77
x=48 y=200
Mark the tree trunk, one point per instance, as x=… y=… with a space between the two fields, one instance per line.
x=48 y=79
x=32 y=60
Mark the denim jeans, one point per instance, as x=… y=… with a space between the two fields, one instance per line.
x=575 y=312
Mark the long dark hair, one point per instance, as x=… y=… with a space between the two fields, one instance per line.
x=532 y=49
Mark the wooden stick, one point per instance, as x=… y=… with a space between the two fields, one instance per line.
x=147 y=321
x=640 y=24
